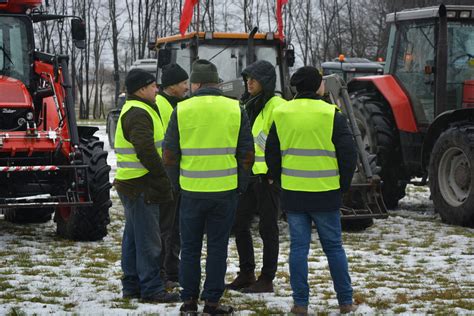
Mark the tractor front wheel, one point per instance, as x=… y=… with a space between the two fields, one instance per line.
x=378 y=130
x=89 y=223
x=451 y=175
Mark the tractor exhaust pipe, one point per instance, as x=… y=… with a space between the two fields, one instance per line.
x=441 y=61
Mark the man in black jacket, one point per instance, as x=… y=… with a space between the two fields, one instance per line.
x=263 y=194
x=311 y=151
x=142 y=184
x=208 y=151
x=173 y=89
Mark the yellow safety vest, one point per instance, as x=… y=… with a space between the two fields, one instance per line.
x=208 y=133
x=260 y=130
x=128 y=164
x=304 y=128
x=165 y=110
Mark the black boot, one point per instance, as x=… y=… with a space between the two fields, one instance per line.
x=217 y=309
x=263 y=285
x=243 y=280
x=188 y=308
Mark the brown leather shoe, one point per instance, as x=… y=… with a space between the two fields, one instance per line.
x=299 y=310
x=346 y=309
x=263 y=285
x=243 y=280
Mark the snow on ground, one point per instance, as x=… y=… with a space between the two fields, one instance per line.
x=410 y=263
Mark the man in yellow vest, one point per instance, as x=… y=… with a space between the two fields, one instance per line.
x=208 y=150
x=142 y=184
x=173 y=88
x=263 y=194
x=311 y=149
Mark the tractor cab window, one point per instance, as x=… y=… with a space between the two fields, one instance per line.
x=460 y=61
x=14 y=48
x=416 y=53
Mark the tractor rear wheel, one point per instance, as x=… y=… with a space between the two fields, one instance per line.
x=89 y=223
x=28 y=215
x=377 y=126
x=451 y=175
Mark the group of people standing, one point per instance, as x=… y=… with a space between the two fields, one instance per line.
x=205 y=165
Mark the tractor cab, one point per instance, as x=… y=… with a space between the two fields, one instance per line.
x=431 y=54
x=231 y=53
x=16 y=47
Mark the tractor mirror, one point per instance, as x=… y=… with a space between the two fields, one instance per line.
x=164 y=57
x=78 y=30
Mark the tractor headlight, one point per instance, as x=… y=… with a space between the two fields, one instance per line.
x=465 y=14
x=451 y=14
x=29 y=116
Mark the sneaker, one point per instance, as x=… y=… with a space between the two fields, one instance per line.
x=263 y=285
x=346 y=309
x=170 y=285
x=162 y=297
x=188 y=308
x=217 y=309
x=243 y=280
x=299 y=310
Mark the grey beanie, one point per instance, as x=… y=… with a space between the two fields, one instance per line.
x=203 y=71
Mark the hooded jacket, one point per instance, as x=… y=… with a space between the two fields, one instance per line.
x=264 y=73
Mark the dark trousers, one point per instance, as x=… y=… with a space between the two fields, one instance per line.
x=170 y=239
x=263 y=199
x=213 y=217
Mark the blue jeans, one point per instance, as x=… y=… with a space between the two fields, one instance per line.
x=214 y=217
x=328 y=226
x=141 y=248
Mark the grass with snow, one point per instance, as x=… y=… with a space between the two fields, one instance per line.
x=408 y=263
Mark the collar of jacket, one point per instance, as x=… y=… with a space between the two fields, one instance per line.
x=150 y=104
x=307 y=95
x=171 y=99
x=207 y=91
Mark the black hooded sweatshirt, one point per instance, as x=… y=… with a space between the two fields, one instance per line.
x=264 y=73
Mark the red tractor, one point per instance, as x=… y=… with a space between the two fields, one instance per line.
x=48 y=164
x=418 y=118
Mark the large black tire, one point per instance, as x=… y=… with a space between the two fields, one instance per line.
x=111 y=128
x=451 y=175
x=377 y=126
x=28 y=215
x=89 y=223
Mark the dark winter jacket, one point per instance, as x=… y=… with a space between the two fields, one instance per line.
x=346 y=153
x=137 y=126
x=245 y=153
x=171 y=99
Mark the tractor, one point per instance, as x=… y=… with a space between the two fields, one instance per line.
x=418 y=118
x=48 y=164
x=232 y=52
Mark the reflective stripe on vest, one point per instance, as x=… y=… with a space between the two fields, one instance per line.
x=309 y=162
x=128 y=164
x=165 y=109
x=208 y=133
x=260 y=130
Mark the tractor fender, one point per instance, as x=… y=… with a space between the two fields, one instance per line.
x=440 y=124
x=388 y=87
